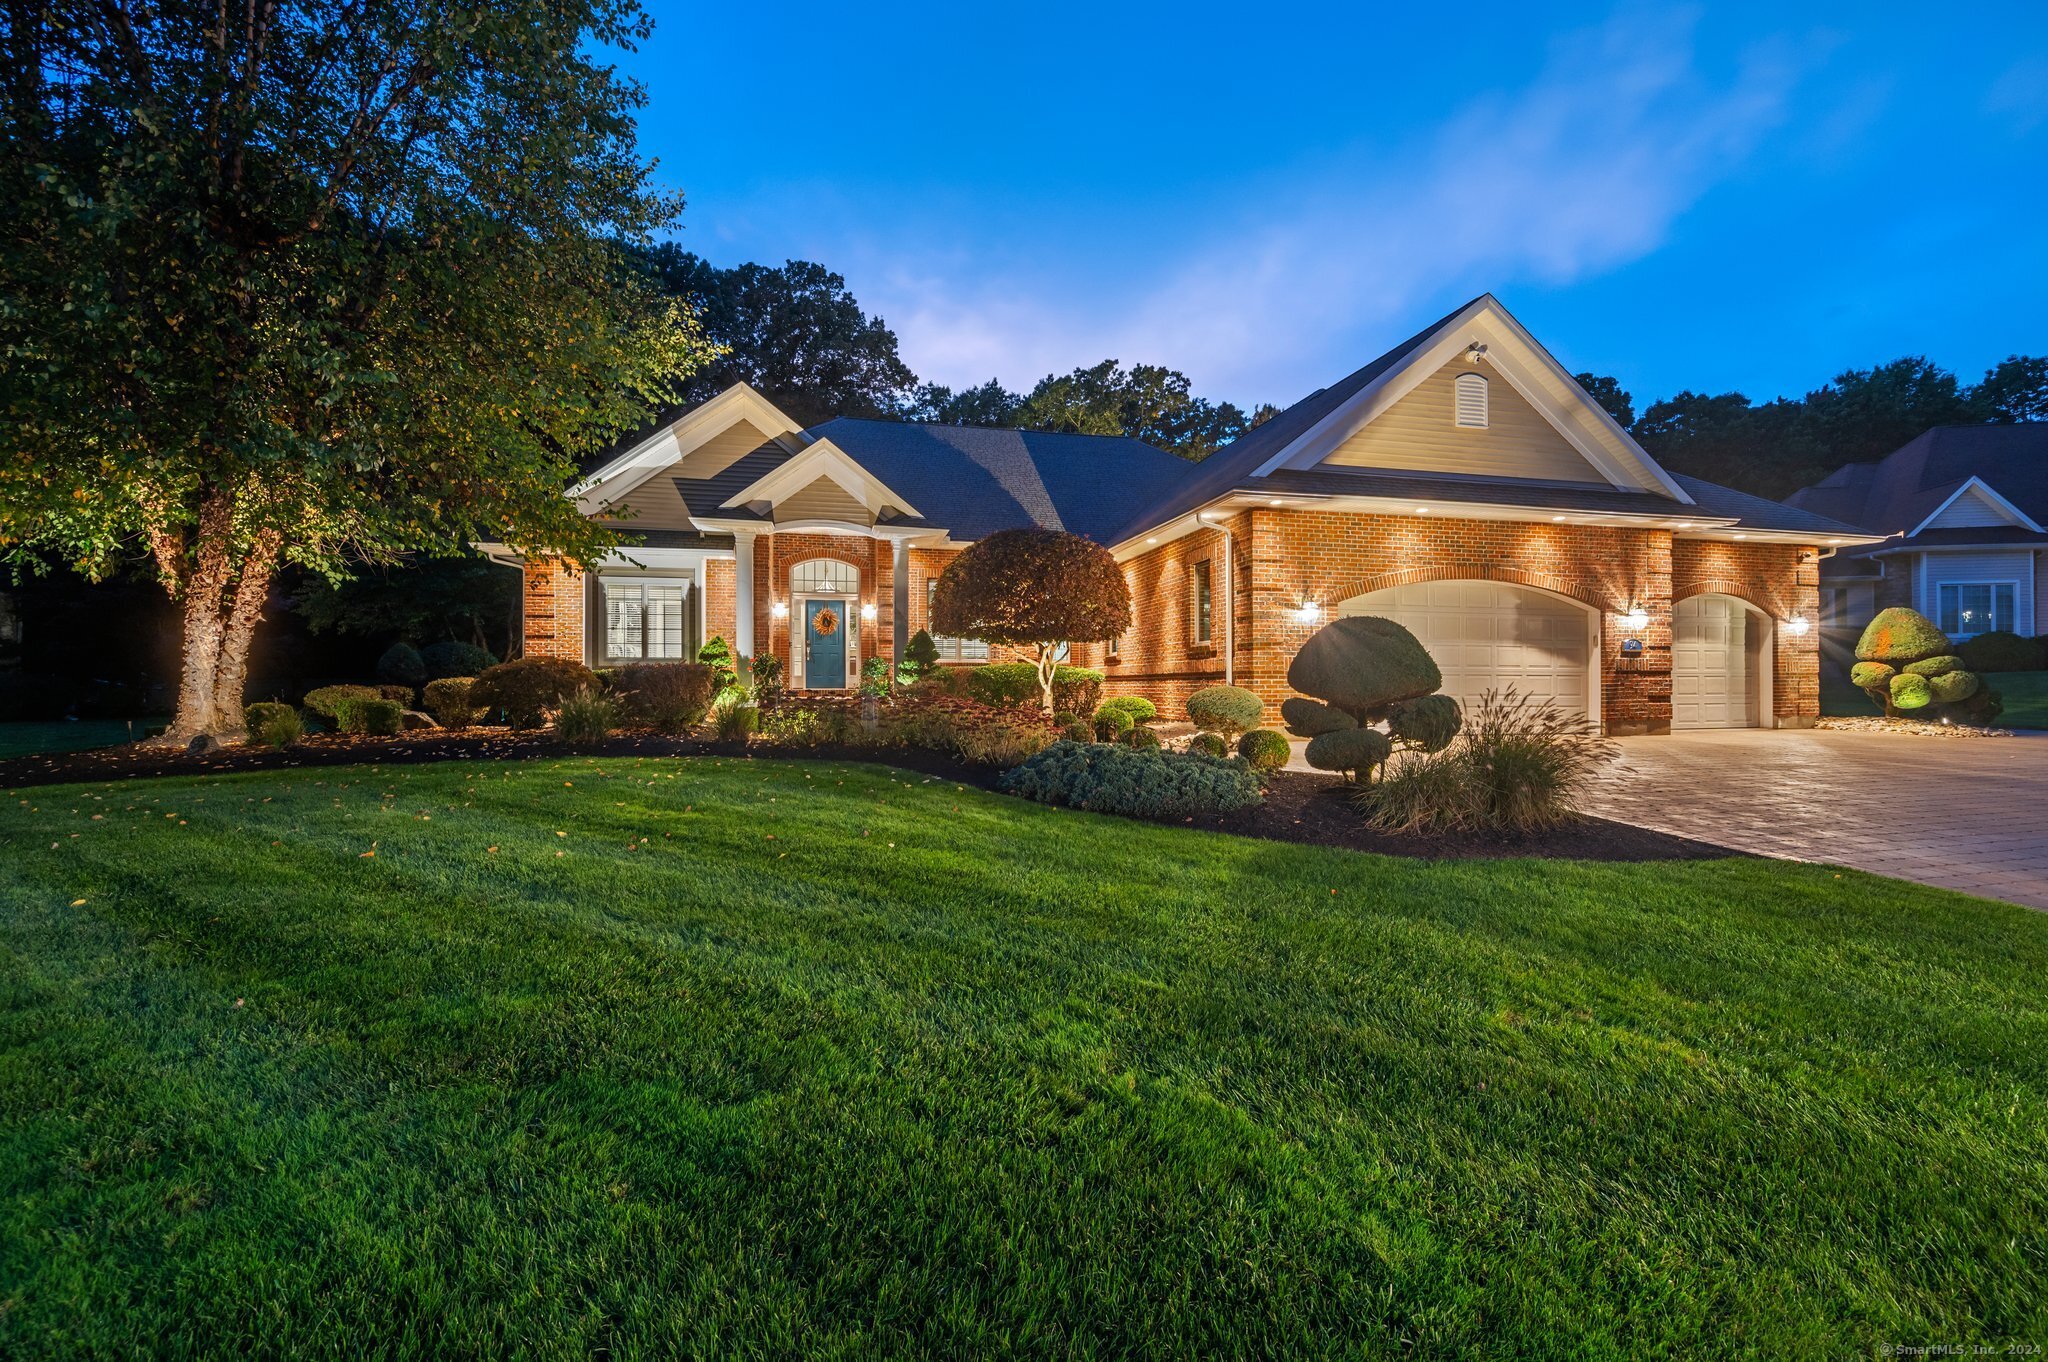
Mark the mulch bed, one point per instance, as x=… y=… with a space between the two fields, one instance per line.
x=1300 y=806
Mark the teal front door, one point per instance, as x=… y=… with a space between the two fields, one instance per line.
x=824 y=648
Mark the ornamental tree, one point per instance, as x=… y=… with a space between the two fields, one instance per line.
x=1907 y=667
x=1363 y=670
x=318 y=283
x=1036 y=589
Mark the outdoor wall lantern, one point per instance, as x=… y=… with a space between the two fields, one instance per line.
x=1797 y=625
x=1636 y=618
x=1308 y=612
x=867 y=613
x=779 y=610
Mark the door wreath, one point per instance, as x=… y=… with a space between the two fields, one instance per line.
x=826 y=622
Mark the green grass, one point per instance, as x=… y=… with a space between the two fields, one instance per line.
x=2025 y=695
x=67 y=735
x=771 y=1057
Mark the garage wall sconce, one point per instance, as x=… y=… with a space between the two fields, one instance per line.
x=1636 y=618
x=1797 y=625
x=1308 y=612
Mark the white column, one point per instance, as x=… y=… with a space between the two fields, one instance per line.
x=900 y=584
x=743 y=594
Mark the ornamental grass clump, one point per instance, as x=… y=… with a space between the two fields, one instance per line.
x=588 y=716
x=1520 y=765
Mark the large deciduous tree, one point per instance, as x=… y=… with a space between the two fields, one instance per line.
x=315 y=282
x=1034 y=589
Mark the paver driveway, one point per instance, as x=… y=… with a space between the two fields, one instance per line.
x=1963 y=813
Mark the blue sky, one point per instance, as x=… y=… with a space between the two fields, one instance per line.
x=1736 y=196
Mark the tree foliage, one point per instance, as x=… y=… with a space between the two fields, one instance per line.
x=315 y=283
x=793 y=332
x=1037 y=589
x=1144 y=401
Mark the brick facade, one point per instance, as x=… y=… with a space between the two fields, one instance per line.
x=1280 y=559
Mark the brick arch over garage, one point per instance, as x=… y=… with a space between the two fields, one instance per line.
x=1721 y=586
x=1584 y=593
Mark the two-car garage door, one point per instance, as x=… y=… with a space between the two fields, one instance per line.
x=1491 y=635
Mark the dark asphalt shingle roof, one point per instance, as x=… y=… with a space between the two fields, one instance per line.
x=1899 y=491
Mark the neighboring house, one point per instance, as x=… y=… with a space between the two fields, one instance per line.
x=1461 y=483
x=1961 y=510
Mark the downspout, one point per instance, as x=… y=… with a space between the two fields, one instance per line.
x=1229 y=601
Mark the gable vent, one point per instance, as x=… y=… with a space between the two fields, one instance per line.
x=1471 y=399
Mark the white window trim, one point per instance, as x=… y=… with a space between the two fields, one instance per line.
x=1997 y=624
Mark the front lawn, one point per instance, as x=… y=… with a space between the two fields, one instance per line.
x=657 y=1057
x=2025 y=695
x=27 y=739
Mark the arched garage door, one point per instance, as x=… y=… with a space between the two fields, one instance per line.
x=1490 y=636
x=1716 y=664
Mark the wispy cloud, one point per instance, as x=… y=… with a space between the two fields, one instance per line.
x=1583 y=169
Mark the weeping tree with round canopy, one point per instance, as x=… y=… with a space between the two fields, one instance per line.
x=1038 y=589
x=1363 y=671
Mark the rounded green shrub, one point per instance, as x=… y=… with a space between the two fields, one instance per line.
x=1363 y=665
x=1074 y=688
x=373 y=716
x=1952 y=688
x=1141 y=710
x=1265 y=748
x=1142 y=738
x=1138 y=784
x=1909 y=691
x=1428 y=722
x=1306 y=718
x=1982 y=708
x=447 y=699
x=451 y=658
x=401 y=665
x=1228 y=710
x=1209 y=745
x=270 y=724
x=528 y=688
x=669 y=697
x=1899 y=636
x=1350 y=750
x=322 y=701
x=2000 y=650
x=1934 y=666
x=1871 y=675
x=1112 y=724
x=1003 y=683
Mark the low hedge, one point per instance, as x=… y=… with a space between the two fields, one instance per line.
x=325 y=699
x=529 y=688
x=670 y=697
x=373 y=717
x=1016 y=683
x=2000 y=651
x=1136 y=783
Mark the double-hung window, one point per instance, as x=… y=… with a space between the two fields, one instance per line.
x=1202 y=608
x=951 y=649
x=645 y=620
x=1966 y=608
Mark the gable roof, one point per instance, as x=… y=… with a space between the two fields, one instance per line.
x=1900 y=493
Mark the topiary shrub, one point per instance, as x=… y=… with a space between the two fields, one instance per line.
x=1305 y=718
x=323 y=700
x=1360 y=671
x=371 y=716
x=402 y=665
x=448 y=700
x=717 y=655
x=1228 y=710
x=1907 y=691
x=920 y=654
x=2003 y=651
x=270 y=724
x=1078 y=689
x=1952 y=688
x=1356 y=752
x=1140 y=710
x=1138 y=784
x=588 y=716
x=1266 y=749
x=1002 y=683
x=669 y=697
x=450 y=658
x=528 y=689
x=1111 y=725
x=1142 y=738
x=402 y=694
x=1900 y=653
x=1209 y=745
x=1427 y=724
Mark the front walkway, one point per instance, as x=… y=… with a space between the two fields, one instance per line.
x=1961 y=813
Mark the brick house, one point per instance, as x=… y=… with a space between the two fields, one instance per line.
x=1462 y=483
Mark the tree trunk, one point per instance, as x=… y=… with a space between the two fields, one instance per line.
x=219 y=625
x=1048 y=667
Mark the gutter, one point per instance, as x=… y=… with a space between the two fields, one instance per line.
x=1229 y=600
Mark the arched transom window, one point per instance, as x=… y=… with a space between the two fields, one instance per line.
x=824 y=577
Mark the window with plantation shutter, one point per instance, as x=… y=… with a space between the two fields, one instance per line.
x=1470 y=399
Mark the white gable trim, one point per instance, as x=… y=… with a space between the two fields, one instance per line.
x=823 y=459
x=1517 y=357
x=695 y=428
x=1984 y=490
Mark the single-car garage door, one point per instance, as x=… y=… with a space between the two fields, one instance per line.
x=1490 y=636
x=1713 y=684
